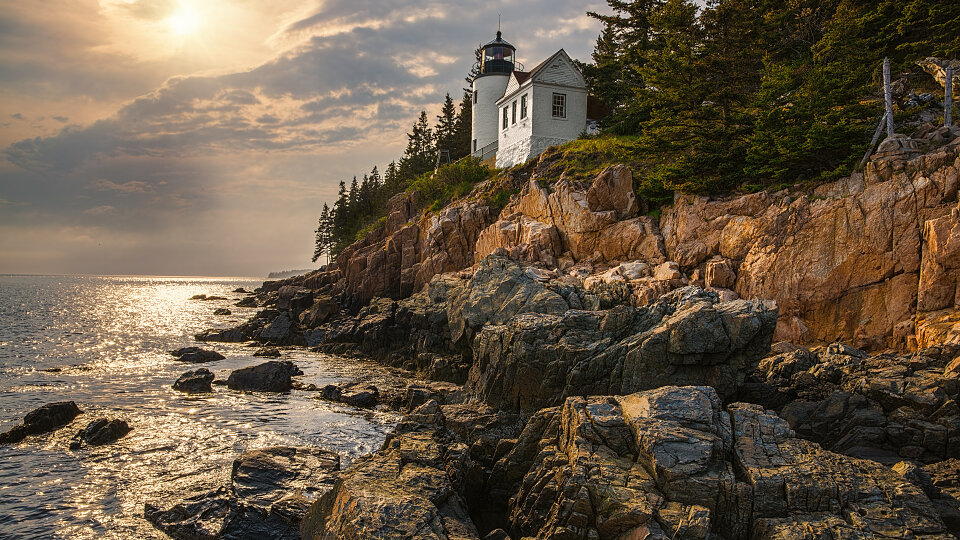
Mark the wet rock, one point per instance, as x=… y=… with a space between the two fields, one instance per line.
x=416 y=395
x=354 y=394
x=267 y=352
x=402 y=491
x=195 y=382
x=265 y=476
x=294 y=298
x=271 y=376
x=196 y=355
x=205 y=297
x=323 y=308
x=101 y=431
x=270 y=491
x=250 y=301
x=199 y=516
x=42 y=420
x=282 y=331
x=885 y=407
x=241 y=290
x=222 y=311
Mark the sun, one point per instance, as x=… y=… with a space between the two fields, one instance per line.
x=184 y=21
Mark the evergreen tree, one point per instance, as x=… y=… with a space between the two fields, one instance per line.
x=475 y=69
x=445 y=130
x=619 y=56
x=391 y=180
x=324 y=235
x=420 y=155
x=461 y=143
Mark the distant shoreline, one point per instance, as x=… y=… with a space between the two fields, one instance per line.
x=141 y=276
x=283 y=274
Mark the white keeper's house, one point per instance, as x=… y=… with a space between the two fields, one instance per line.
x=518 y=114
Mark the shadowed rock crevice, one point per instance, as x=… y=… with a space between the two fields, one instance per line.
x=664 y=463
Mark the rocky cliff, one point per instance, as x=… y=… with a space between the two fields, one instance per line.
x=864 y=259
x=616 y=369
x=666 y=463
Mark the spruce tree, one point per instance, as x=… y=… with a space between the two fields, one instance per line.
x=445 y=130
x=461 y=143
x=420 y=154
x=324 y=235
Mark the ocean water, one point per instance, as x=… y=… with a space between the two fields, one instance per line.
x=103 y=342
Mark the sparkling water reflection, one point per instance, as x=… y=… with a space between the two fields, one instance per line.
x=102 y=342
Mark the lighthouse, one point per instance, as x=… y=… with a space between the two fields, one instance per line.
x=496 y=66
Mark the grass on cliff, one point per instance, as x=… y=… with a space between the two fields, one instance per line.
x=450 y=182
x=583 y=159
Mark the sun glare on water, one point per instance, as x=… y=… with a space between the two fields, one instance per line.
x=183 y=22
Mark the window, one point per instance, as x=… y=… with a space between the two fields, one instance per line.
x=506 y=114
x=523 y=106
x=475 y=93
x=474 y=145
x=559 y=105
x=514 y=107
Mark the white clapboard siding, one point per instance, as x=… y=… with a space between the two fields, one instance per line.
x=560 y=71
x=512 y=86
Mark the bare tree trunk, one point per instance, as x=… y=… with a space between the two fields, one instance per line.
x=888 y=96
x=873 y=142
x=948 y=98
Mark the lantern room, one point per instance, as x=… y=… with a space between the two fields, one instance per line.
x=498 y=57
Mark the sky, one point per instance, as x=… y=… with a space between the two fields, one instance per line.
x=170 y=137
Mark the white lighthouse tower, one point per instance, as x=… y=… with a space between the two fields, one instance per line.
x=496 y=66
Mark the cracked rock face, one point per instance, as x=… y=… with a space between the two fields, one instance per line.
x=664 y=463
x=848 y=263
x=402 y=491
x=672 y=463
x=535 y=360
x=593 y=221
x=885 y=407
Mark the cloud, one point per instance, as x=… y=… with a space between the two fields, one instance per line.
x=149 y=9
x=224 y=172
x=5 y=202
x=104 y=210
x=126 y=187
